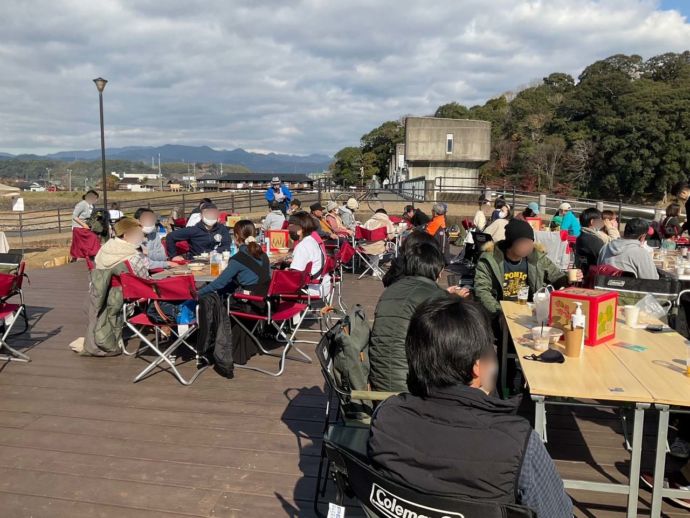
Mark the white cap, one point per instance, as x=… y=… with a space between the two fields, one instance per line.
x=275 y=180
x=565 y=206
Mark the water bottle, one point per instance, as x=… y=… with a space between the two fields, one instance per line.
x=233 y=248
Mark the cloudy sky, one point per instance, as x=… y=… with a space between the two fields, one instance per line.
x=292 y=76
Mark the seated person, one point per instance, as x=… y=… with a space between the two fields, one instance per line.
x=681 y=191
x=347 y=213
x=449 y=435
x=531 y=211
x=415 y=217
x=125 y=246
x=610 y=224
x=323 y=229
x=569 y=221
x=438 y=221
x=629 y=253
x=373 y=250
x=422 y=264
x=249 y=269
x=295 y=206
x=204 y=237
x=396 y=270
x=591 y=240
x=309 y=249
x=153 y=248
x=670 y=225
x=195 y=216
x=512 y=264
x=499 y=204
x=335 y=221
x=115 y=213
x=274 y=220
x=497 y=228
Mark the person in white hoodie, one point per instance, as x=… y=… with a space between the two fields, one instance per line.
x=629 y=253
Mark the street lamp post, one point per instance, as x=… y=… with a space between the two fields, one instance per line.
x=100 y=85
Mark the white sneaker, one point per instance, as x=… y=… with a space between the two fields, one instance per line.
x=680 y=449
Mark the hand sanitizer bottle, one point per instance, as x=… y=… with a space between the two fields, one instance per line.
x=579 y=321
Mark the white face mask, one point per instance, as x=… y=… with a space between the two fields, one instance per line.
x=209 y=222
x=502 y=215
x=148 y=229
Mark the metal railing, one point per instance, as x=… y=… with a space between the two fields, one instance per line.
x=59 y=220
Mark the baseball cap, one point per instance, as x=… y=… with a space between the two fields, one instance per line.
x=316 y=206
x=565 y=206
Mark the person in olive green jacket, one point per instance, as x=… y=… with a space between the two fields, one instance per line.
x=512 y=264
x=422 y=264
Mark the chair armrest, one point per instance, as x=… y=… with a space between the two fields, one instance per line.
x=371 y=395
x=243 y=296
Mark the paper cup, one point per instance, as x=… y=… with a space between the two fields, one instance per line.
x=632 y=314
x=573 y=342
x=572 y=274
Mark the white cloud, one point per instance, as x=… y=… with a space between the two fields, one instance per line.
x=300 y=76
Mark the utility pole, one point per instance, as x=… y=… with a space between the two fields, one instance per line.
x=69 y=172
x=152 y=164
x=159 y=164
x=48 y=170
x=221 y=168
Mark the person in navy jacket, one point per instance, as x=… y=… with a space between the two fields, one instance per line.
x=206 y=236
x=279 y=193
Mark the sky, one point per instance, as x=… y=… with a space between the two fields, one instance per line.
x=290 y=76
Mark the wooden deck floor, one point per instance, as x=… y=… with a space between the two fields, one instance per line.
x=79 y=439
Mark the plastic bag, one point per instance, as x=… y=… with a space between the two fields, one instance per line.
x=542 y=302
x=652 y=307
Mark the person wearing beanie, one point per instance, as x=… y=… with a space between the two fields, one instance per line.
x=511 y=264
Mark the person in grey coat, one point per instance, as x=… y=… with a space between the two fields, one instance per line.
x=153 y=246
x=629 y=253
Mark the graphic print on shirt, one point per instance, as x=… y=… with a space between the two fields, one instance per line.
x=514 y=278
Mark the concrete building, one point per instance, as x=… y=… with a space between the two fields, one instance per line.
x=448 y=152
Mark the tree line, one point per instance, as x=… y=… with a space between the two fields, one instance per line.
x=622 y=129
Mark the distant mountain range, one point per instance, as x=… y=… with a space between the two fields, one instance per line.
x=259 y=162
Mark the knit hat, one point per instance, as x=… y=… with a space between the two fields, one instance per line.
x=124 y=225
x=518 y=229
x=352 y=204
x=331 y=205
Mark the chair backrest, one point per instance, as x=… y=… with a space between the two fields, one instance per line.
x=385 y=498
x=345 y=253
x=7 y=283
x=378 y=234
x=288 y=282
x=177 y=288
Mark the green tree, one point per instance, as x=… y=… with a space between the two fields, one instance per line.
x=452 y=111
x=345 y=166
x=381 y=142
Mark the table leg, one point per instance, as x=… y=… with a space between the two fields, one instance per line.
x=660 y=460
x=638 y=427
x=540 y=416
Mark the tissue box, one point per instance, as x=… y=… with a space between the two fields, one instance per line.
x=599 y=307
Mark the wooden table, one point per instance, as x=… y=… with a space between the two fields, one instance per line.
x=661 y=369
x=596 y=375
x=204 y=275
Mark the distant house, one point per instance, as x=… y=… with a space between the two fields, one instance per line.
x=133 y=185
x=36 y=187
x=259 y=181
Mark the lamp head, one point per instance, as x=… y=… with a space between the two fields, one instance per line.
x=100 y=83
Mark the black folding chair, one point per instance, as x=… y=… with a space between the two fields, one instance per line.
x=380 y=497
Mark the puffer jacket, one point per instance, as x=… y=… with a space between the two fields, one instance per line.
x=488 y=277
x=378 y=220
x=392 y=318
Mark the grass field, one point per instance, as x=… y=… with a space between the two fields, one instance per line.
x=53 y=200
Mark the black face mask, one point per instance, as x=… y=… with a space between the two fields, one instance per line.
x=294 y=235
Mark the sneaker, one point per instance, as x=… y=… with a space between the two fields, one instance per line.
x=680 y=449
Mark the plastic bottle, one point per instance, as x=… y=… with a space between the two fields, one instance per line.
x=233 y=248
x=578 y=320
x=268 y=246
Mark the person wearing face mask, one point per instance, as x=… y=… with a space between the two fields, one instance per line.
x=204 y=237
x=153 y=245
x=591 y=239
x=450 y=435
x=497 y=228
x=125 y=246
x=309 y=248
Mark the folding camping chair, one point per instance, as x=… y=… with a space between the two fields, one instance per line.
x=381 y=497
x=9 y=314
x=342 y=256
x=170 y=289
x=13 y=268
x=279 y=313
x=364 y=236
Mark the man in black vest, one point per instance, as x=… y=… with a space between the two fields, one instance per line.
x=449 y=435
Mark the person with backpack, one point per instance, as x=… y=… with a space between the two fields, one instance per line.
x=670 y=226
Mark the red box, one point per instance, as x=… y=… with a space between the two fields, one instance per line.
x=600 y=309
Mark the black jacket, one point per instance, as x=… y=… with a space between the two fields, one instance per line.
x=457 y=441
x=587 y=248
x=200 y=238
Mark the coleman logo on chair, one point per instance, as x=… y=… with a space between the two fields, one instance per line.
x=396 y=507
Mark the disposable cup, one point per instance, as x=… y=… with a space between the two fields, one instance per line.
x=632 y=314
x=573 y=342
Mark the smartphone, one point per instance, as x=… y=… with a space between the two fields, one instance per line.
x=658 y=328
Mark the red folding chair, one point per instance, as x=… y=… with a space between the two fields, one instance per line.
x=279 y=314
x=85 y=245
x=363 y=237
x=9 y=314
x=15 y=281
x=342 y=256
x=170 y=289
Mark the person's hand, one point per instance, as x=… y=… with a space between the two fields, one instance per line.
x=459 y=291
x=177 y=258
x=172 y=264
x=333 y=236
